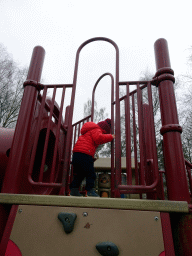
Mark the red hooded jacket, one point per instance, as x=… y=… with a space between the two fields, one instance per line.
x=92 y=136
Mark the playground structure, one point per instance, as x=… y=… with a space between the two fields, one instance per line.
x=36 y=172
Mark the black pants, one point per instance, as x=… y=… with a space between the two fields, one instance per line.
x=83 y=168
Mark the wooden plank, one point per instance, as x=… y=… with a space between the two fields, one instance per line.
x=107 y=203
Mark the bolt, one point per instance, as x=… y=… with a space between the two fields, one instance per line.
x=156 y=218
x=20 y=210
x=85 y=214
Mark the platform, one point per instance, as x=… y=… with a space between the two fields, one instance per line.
x=107 y=203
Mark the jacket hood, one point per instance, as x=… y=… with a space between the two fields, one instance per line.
x=89 y=126
x=105 y=125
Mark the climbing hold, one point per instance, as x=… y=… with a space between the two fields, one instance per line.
x=107 y=249
x=68 y=221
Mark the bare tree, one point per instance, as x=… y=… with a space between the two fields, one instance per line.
x=99 y=115
x=11 y=89
x=184 y=106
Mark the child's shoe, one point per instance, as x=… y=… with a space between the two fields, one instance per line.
x=91 y=193
x=75 y=192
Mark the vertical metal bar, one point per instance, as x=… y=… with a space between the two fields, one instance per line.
x=93 y=104
x=71 y=176
x=47 y=137
x=79 y=130
x=135 y=141
x=149 y=170
x=14 y=172
x=128 y=137
x=65 y=132
x=66 y=115
x=65 y=126
x=57 y=136
x=141 y=139
x=75 y=135
x=112 y=143
x=177 y=186
x=152 y=130
x=190 y=178
x=117 y=143
x=160 y=192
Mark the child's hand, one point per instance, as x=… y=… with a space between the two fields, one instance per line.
x=113 y=136
x=96 y=156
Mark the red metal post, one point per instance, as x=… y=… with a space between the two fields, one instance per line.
x=16 y=166
x=177 y=186
x=167 y=234
x=181 y=224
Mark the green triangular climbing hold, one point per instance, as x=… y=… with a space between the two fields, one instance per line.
x=68 y=221
x=107 y=249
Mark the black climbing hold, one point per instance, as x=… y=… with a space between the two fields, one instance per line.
x=107 y=249
x=68 y=221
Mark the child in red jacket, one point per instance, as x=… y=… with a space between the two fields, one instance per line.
x=83 y=155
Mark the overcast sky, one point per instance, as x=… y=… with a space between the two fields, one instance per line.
x=62 y=26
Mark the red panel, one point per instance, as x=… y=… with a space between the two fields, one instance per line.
x=12 y=249
x=8 y=229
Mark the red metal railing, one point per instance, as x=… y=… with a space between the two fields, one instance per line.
x=38 y=151
x=137 y=124
x=77 y=128
x=57 y=113
x=75 y=135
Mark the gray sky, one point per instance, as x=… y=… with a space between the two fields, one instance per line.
x=62 y=26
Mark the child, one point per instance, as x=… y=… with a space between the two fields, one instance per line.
x=83 y=155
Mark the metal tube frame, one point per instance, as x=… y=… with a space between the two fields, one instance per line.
x=117 y=127
x=112 y=125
